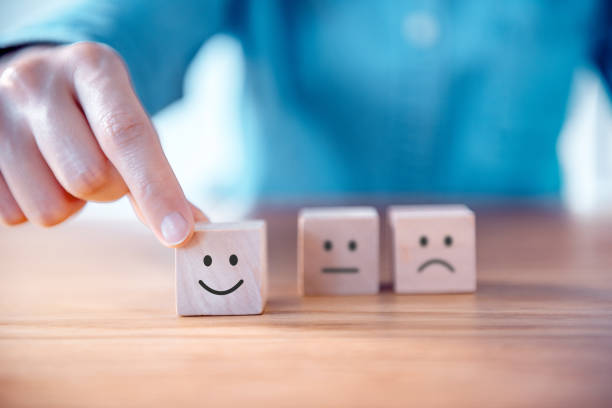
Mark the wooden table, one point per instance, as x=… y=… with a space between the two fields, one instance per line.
x=87 y=319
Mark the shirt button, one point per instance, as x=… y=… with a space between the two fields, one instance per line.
x=421 y=29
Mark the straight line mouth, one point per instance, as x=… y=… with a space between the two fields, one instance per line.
x=340 y=270
x=436 y=261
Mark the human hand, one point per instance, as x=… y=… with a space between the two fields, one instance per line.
x=72 y=130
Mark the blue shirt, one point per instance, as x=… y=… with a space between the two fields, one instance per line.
x=363 y=97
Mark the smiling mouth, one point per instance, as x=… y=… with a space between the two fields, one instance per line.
x=438 y=262
x=340 y=270
x=221 y=292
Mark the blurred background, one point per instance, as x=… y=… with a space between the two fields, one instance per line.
x=201 y=132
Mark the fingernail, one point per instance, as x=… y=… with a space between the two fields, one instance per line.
x=174 y=228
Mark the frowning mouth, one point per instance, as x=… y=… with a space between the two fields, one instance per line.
x=438 y=262
x=221 y=292
x=340 y=270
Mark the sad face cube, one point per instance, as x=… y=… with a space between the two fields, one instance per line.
x=338 y=251
x=223 y=270
x=433 y=248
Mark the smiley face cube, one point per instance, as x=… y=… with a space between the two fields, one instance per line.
x=433 y=248
x=338 y=251
x=223 y=270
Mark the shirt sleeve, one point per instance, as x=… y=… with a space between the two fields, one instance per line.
x=156 y=38
x=603 y=50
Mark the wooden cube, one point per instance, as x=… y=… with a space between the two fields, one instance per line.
x=434 y=248
x=222 y=270
x=338 y=251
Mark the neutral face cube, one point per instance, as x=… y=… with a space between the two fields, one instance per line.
x=223 y=270
x=433 y=248
x=338 y=251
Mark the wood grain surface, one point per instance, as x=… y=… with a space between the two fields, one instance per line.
x=87 y=318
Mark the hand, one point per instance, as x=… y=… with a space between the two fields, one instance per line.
x=73 y=130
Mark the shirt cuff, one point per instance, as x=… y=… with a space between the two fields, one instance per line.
x=40 y=35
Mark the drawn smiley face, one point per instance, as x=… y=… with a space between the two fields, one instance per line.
x=222 y=270
x=233 y=261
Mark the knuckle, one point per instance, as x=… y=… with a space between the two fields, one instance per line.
x=95 y=57
x=149 y=188
x=89 y=51
x=50 y=215
x=121 y=131
x=14 y=138
x=85 y=182
x=12 y=218
x=25 y=75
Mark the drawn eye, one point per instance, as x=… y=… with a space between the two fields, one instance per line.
x=352 y=245
x=327 y=245
x=233 y=260
x=423 y=241
x=207 y=260
x=448 y=240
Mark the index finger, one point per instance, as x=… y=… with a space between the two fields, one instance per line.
x=128 y=139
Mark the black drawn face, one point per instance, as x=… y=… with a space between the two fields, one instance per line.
x=424 y=242
x=350 y=246
x=208 y=263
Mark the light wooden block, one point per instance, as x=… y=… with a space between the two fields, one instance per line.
x=338 y=251
x=433 y=248
x=223 y=270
